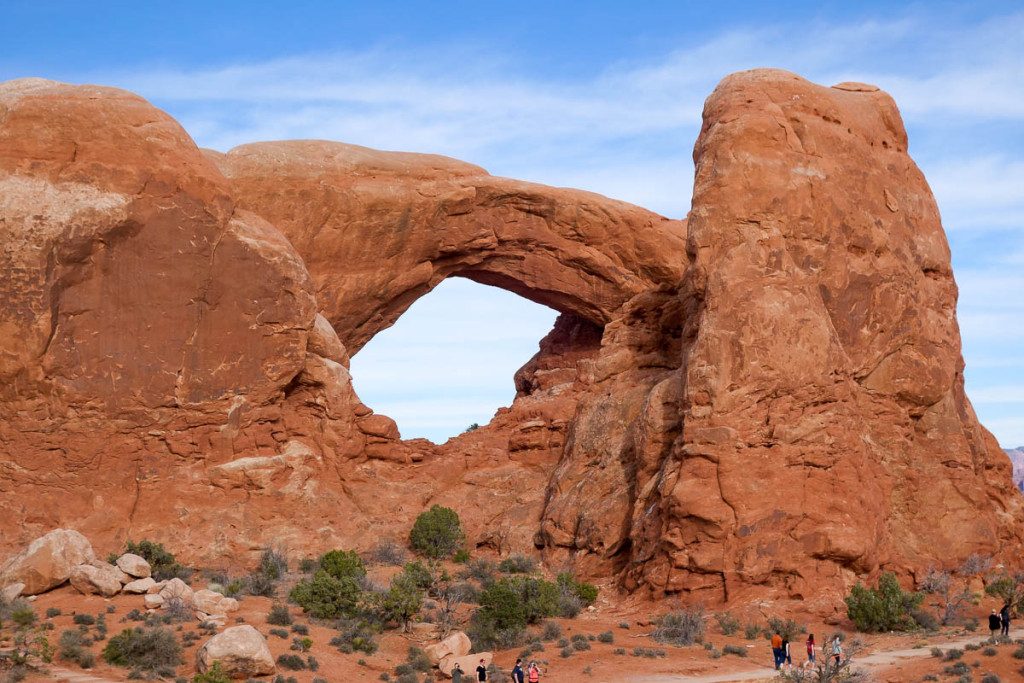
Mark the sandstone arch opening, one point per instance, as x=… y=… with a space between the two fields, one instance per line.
x=449 y=361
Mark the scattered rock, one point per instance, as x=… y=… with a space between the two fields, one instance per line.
x=241 y=650
x=212 y=604
x=455 y=645
x=12 y=592
x=154 y=601
x=133 y=565
x=139 y=585
x=90 y=579
x=48 y=561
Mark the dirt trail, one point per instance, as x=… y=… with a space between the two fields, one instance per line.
x=872 y=661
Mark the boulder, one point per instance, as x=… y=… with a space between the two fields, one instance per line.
x=241 y=650
x=212 y=603
x=153 y=601
x=48 y=561
x=90 y=579
x=457 y=644
x=176 y=588
x=157 y=587
x=12 y=592
x=467 y=662
x=111 y=569
x=135 y=566
x=139 y=585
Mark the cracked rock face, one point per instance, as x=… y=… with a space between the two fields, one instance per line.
x=765 y=398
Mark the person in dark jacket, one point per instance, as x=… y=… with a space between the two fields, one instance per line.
x=994 y=623
x=1004 y=618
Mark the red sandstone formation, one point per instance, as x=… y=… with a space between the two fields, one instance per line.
x=768 y=395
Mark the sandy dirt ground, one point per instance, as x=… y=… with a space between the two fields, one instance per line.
x=891 y=658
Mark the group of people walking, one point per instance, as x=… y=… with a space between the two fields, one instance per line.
x=783 y=656
x=519 y=674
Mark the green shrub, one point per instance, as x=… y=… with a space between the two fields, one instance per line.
x=420 y=575
x=737 y=650
x=952 y=654
x=279 y=616
x=551 y=630
x=461 y=556
x=84 y=619
x=273 y=564
x=143 y=648
x=990 y=652
x=280 y=633
x=751 y=631
x=680 y=628
x=586 y=592
x=619 y=651
x=567 y=652
x=307 y=565
x=437 y=532
x=958 y=669
x=606 y=637
x=343 y=564
x=400 y=602
x=886 y=607
x=990 y=678
x=354 y=635
x=52 y=612
x=301 y=629
x=215 y=674
x=327 y=597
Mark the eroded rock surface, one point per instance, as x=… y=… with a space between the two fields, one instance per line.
x=765 y=398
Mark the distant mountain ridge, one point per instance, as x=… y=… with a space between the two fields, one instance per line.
x=1017 y=458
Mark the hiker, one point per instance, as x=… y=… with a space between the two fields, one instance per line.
x=457 y=673
x=787 y=658
x=533 y=672
x=994 y=622
x=777 y=649
x=810 y=650
x=837 y=649
x=1004 y=618
x=481 y=671
x=517 y=672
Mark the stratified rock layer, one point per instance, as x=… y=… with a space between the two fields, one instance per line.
x=765 y=397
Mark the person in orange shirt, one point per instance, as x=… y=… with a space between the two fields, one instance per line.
x=777 y=649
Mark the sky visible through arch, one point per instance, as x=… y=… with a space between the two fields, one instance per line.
x=603 y=96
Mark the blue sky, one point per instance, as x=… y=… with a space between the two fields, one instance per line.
x=604 y=96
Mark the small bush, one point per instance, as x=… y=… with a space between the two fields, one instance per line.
x=215 y=674
x=291 y=662
x=787 y=628
x=624 y=625
x=551 y=630
x=619 y=651
x=301 y=644
x=273 y=564
x=680 y=628
x=143 y=648
x=936 y=652
x=586 y=592
x=887 y=607
x=990 y=652
x=990 y=678
x=71 y=647
x=752 y=631
x=279 y=616
x=517 y=564
x=958 y=669
x=925 y=619
x=952 y=654
x=606 y=637
x=52 y=612
x=971 y=647
x=461 y=556
x=301 y=629
x=737 y=650
x=437 y=532
x=354 y=635
x=387 y=552
x=567 y=652
x=727 y=623
x=279 y=632
x=84 y=619
x=307 y=565
x=482 y=571
x=259 y=584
